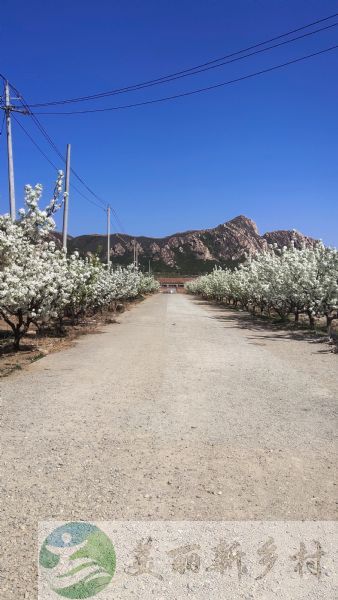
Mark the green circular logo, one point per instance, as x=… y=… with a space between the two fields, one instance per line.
x=78 y=560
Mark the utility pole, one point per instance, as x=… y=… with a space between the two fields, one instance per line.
x=66 y=201
x=108 y=237
x=149 y=266
x=8 y=109
x=134 y=252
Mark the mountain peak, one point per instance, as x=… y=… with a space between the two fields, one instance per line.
x=190 y=252
x=243 y=222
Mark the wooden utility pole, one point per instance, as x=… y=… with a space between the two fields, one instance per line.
x=66 y=201
x=11 y=187
x=108 y=237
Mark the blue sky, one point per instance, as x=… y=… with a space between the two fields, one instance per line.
x=266 y=147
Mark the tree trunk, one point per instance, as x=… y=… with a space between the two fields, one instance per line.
x=18 y=331
x=17 y=338
x=311 y=319
x=329 y=320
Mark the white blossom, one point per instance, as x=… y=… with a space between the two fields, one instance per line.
x=285 y=281
x=40 y=284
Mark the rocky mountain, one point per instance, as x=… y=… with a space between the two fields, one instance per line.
x=190 y=252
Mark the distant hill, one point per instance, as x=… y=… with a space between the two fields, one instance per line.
x=190 y=252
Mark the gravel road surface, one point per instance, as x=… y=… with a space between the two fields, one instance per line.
x=183 y=410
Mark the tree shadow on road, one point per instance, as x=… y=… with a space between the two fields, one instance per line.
x=267 y=329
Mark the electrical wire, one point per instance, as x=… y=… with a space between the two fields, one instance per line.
x=192 y=92
x=52 y=163
x=193 y=70
x=211 y=64
x=74 y=187
x=34 y=142
x=52 y=143
x=118 y=235
x=102 y=204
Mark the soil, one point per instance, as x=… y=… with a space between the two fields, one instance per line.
x=185 y=411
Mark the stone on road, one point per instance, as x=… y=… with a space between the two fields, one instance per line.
x=182 y=411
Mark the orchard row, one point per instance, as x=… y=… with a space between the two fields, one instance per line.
x=282 y=282
x=40 y=284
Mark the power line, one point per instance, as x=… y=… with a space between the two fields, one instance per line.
x=50 y=141
x=211 y=64
x=34 y=142
x=73 y=187
x=102 y=205
x=80 y=179
x=120 y=237
x=55 y=148
x=45 y=134
x=52 y=163
x=192 y=70
x=43 y=131
x=192 y=92
x=117 y=219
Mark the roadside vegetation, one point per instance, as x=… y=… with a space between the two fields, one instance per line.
x=290 y=284
x=43 y=287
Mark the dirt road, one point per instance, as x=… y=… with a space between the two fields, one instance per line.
x=183 y=410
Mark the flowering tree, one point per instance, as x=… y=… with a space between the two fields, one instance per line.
x=286 y=281
x=33 y=281
x=40 y=284
x=147 y=284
